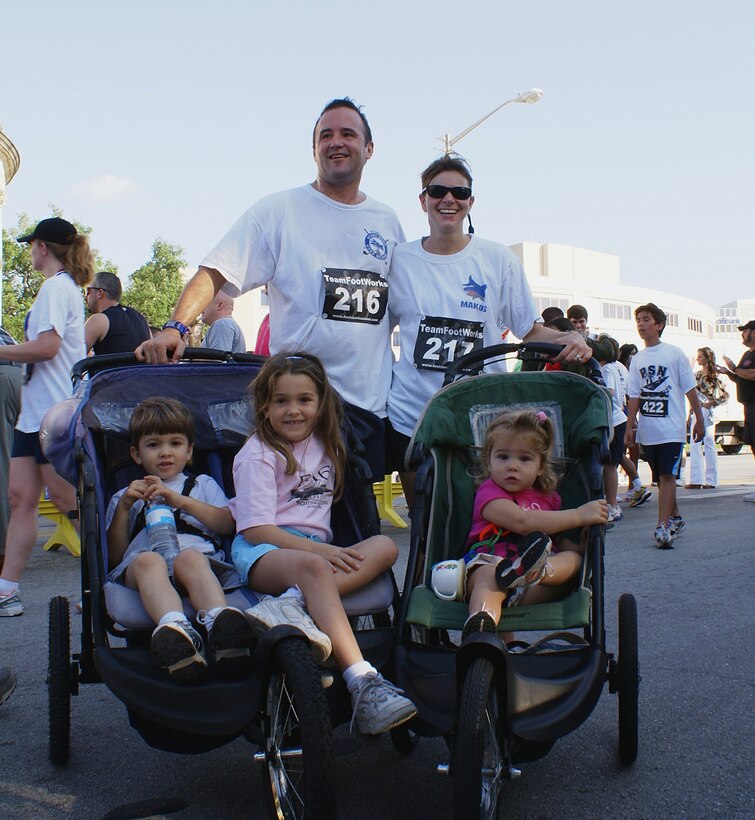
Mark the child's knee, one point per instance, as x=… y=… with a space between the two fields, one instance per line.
x=314 y=565
x=387 y=550
x=189 y=560
x=148 y=563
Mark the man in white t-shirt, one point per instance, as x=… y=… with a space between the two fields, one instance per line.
x=660 y=376
x=324 y=251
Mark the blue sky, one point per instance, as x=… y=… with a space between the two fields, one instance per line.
x=169 y=118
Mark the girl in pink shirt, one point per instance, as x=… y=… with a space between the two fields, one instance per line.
x=516 y=509
x=287 y=475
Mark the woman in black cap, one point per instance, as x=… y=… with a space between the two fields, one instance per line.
x=54 y=331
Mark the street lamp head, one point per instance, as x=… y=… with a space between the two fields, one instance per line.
x=531 y=96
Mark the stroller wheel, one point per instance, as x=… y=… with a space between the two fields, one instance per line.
x=478 y=768
x=59 y=680
x=298 y=771
x=628 y=679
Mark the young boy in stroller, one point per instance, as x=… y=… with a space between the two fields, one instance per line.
x=162 y=437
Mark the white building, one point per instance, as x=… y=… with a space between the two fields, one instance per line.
x=562 y=275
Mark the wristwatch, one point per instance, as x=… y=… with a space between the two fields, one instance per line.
x=176 y=325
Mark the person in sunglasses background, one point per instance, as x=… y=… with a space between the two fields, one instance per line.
x=54 y=330
x=451 y=293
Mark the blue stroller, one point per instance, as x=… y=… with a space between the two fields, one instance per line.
x=280 y=700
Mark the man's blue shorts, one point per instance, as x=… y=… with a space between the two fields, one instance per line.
x=664 y=459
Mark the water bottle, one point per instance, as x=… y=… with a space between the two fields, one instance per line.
x=161 y=531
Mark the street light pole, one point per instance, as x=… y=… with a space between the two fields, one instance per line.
x=529 y=97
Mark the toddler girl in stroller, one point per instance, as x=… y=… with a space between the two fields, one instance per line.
x=511 y=556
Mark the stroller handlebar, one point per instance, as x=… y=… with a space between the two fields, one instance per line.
x=107 y=361
x=456 y=368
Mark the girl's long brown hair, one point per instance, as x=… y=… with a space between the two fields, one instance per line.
x=329 y=417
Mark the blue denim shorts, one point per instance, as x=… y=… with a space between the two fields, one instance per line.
x=244 y=555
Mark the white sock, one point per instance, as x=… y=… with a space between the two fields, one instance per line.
x=7 y=587
x=172 y=618
x=636 y=484
x=292 y=592
x=355 y=671
x=207 y=618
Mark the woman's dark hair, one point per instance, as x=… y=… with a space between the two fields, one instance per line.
x=450 y=162
x=626 y=352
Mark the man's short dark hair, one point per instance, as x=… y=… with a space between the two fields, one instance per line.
x=344 y=102
x=551 y=313
x=576 y=312
x=659 y=317
x=449 y=162
x=110 y=283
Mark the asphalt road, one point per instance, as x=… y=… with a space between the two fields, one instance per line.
x=696 y=741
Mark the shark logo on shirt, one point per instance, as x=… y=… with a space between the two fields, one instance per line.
x=476 y=293
x=475 y=290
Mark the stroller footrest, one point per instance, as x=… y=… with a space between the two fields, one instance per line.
x=426 y=609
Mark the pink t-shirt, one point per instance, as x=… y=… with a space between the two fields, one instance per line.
x=488 y=491
x=266 y=495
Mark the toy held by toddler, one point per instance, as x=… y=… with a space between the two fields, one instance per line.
x=162 y=441
x=516 y=519
x=287 y=476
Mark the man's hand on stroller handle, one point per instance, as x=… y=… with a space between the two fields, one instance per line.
x=575 y=348
x=167 y=346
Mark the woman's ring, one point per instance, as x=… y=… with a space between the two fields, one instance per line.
x=578 y=358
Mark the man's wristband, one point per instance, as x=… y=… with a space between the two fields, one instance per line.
x=176 y=325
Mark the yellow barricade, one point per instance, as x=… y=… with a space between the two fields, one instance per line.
x=65 y=534
x=385 y=491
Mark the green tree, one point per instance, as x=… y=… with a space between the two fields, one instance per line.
x=21 y=282
x=156 y=285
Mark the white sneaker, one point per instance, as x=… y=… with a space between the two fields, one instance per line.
x=11 y=605
x=748 y=497
x=379 y=705
x=663 y=538
x=270 y=612
x=614 y=514
x=178 y=647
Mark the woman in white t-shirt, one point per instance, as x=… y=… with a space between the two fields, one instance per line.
x=450 y=293
x=54 y=330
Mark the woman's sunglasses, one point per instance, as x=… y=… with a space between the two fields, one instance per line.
x=439 y=191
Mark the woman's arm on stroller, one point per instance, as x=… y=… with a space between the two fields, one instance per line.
x=506 y=514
